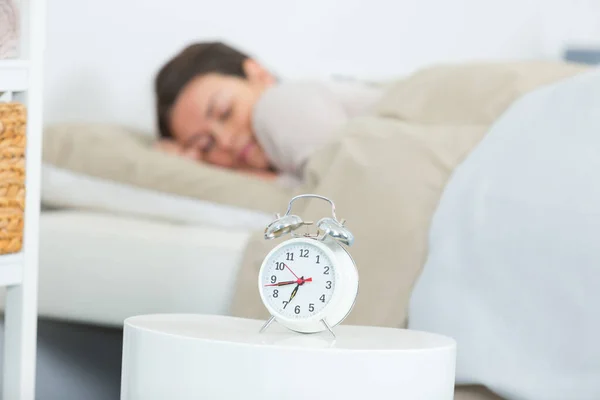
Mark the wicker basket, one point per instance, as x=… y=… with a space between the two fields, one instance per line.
x=12 y=176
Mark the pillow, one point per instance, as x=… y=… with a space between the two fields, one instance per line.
x=64 y=189
x=117 y=154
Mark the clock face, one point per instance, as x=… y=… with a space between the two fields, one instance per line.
x=298 y=280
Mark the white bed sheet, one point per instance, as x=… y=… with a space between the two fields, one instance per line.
x=67 y=189
x=100 y=268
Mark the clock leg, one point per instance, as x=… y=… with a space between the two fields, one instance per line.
x=328 y=327
x=266 y=325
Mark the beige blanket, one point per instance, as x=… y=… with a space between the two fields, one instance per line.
x=386 y=172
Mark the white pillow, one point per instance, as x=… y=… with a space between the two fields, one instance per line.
x=67 y=189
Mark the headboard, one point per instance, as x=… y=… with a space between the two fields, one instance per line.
x=102 y=55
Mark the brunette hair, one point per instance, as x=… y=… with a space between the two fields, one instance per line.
x=194 y=60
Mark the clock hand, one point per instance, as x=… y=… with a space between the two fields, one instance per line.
x=282 y=283
x=299 y=281
x=295 y=276
x=292 y=295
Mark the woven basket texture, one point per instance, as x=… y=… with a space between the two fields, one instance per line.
x=12 y=176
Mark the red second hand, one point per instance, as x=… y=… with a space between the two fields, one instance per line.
x=296 y=276
x=300 y=281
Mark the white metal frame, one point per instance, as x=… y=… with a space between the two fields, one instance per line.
x=22 y=80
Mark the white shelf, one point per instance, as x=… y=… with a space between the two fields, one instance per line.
x=19 y=272
x=14 y=75
x=11 y=269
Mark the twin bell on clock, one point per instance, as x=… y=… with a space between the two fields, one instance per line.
x=309 y=282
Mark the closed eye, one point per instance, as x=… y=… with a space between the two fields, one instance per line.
x=225 y=115
x=210 y=143
x=202 y=142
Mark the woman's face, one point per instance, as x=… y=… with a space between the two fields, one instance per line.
x=212 y=119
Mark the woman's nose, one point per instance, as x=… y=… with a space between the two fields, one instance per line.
x=224 y=138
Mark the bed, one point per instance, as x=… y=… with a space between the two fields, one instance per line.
x=148 y=252
x=100 y=269
x=128 y=230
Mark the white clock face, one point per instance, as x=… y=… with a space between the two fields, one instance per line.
x=298 y=280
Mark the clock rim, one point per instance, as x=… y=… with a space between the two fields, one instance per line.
x=343 y=298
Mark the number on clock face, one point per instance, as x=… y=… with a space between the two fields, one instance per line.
x=298 y=280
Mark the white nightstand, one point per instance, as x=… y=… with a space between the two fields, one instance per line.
x=179 y=356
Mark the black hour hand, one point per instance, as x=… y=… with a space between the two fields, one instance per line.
x=292 y=295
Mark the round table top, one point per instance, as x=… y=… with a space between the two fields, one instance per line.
x=243 y=331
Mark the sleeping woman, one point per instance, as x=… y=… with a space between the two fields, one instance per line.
x=220 y=106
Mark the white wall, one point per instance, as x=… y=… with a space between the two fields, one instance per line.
x=102 y=55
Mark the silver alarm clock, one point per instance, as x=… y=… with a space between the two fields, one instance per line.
x=308 y=283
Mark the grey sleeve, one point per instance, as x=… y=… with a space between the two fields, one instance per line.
x=292 y=120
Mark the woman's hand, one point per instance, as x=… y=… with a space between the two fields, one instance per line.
x=171 y=147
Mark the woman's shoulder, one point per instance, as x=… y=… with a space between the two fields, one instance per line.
x=352 y=96
x=296 y=92
x=298 y=105
x=293 y=118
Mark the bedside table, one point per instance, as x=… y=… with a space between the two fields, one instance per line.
x=183 y=356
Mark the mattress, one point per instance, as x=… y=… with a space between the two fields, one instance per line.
x=101 y=268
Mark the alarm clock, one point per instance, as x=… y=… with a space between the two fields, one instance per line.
x=308 y=283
